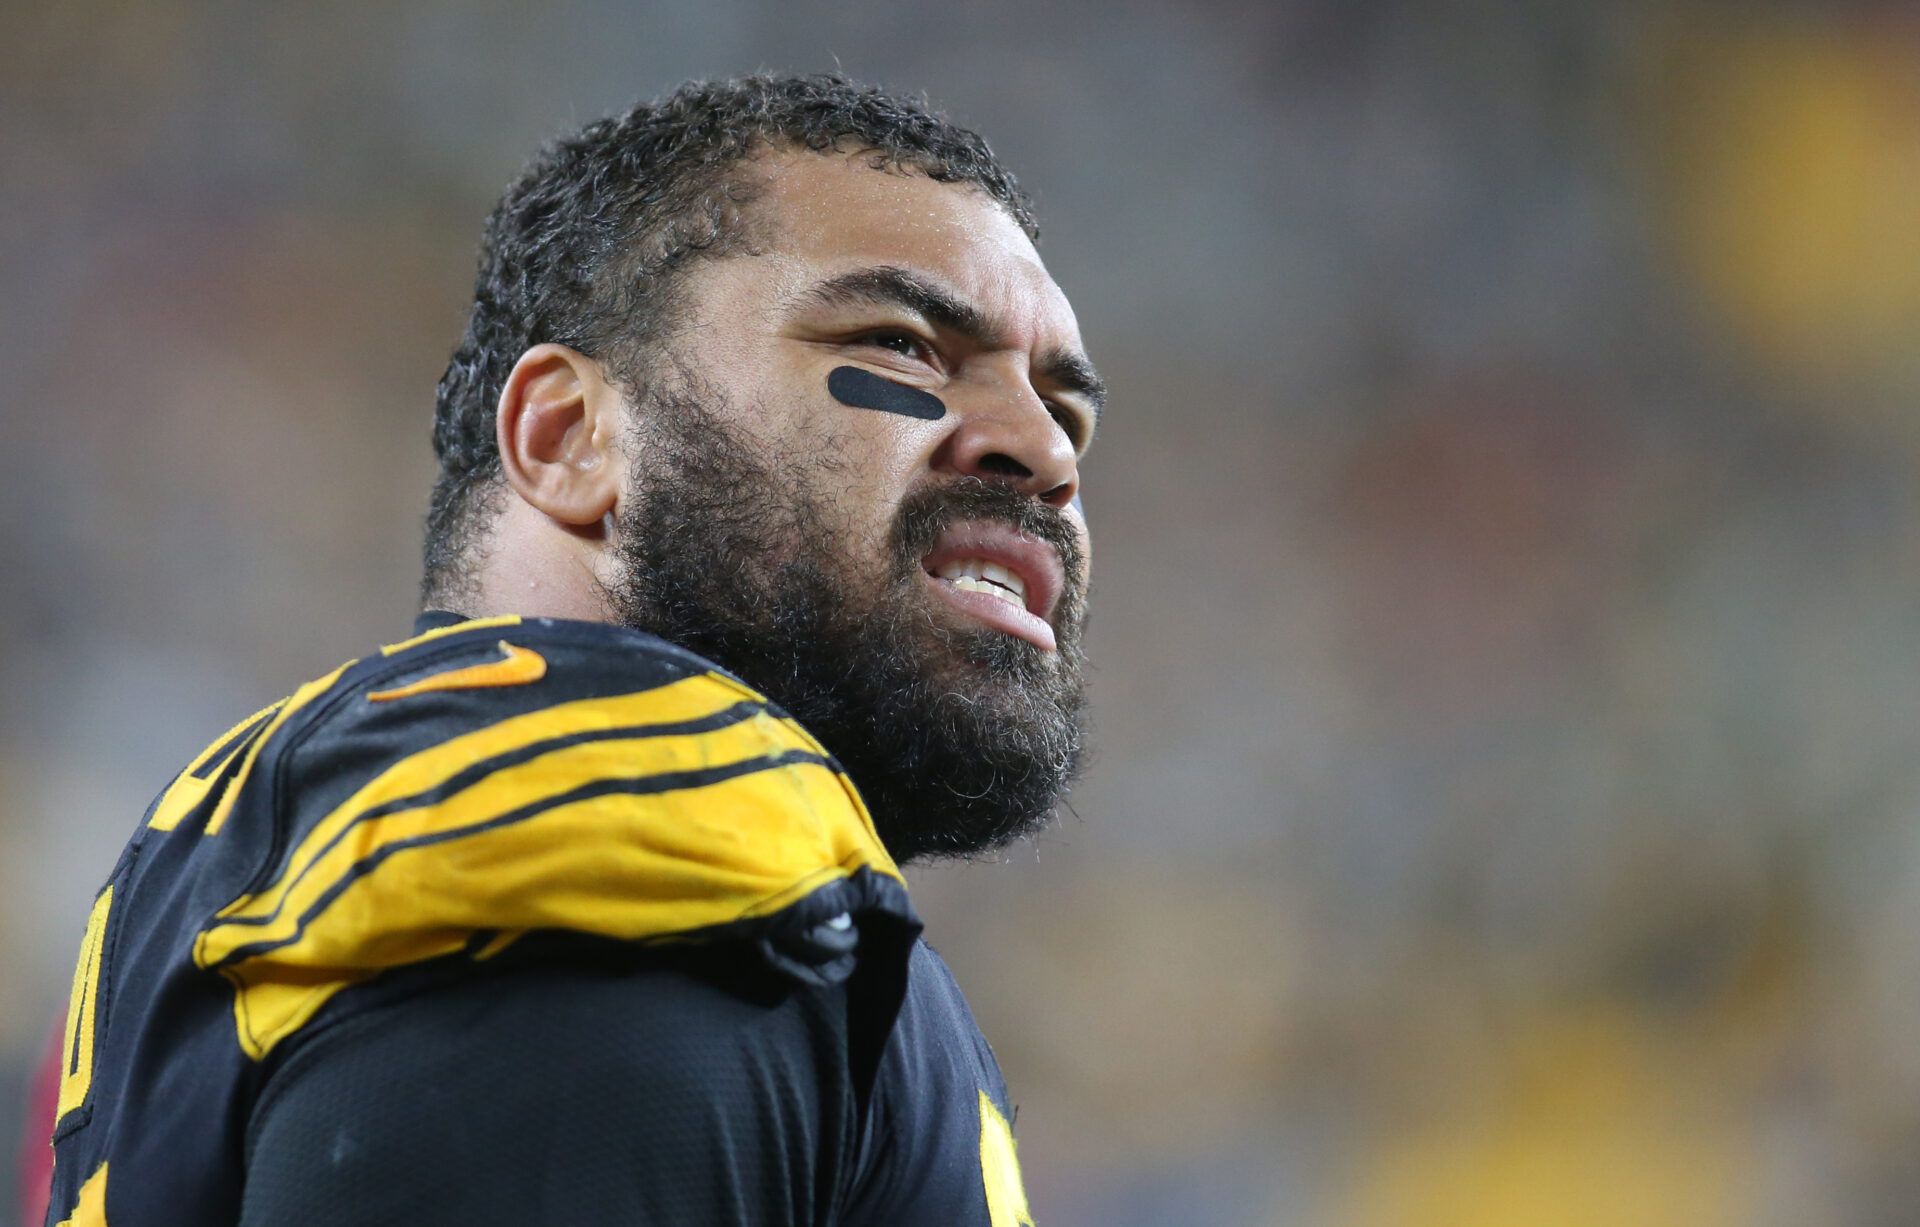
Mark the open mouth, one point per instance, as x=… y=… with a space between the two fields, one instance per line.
x=999 y=576
x=980 y=575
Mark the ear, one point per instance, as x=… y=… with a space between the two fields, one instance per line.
x=557 y=425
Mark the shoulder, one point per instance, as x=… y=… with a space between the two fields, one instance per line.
x=423 y=690
x=486 y=780
x=516 y=676
x=463 y=712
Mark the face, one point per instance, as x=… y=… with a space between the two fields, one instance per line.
x=854 y=482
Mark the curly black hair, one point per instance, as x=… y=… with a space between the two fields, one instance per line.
x=589 y=246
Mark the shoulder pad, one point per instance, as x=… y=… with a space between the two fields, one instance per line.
x=495 y=778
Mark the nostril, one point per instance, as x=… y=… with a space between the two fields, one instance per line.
x=1060 y=495
x=1002 y=465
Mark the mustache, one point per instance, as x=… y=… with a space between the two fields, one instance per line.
x=926 y=514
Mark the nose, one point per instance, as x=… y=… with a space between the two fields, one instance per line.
x=1013 y=438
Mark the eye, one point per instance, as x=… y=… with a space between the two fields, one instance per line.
x=898 y=341
x=1070 y=423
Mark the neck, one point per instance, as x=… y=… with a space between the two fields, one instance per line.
x=533 y=566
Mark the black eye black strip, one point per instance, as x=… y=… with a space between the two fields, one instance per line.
x=862 y=389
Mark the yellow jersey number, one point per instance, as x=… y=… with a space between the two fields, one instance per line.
x=83 y=1010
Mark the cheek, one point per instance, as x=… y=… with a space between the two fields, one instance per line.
x=864 y=460
x=861 y=471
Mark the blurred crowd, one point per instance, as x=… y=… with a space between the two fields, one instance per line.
x=1507 y=579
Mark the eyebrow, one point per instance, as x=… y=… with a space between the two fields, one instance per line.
x=1073 y=372
x=886 y=285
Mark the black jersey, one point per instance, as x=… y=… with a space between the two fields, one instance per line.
x=520 y=921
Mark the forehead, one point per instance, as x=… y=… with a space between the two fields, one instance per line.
x=827 y=214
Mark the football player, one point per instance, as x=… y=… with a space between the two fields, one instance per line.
x=755 y=569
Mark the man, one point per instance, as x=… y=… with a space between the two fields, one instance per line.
x=755 y=568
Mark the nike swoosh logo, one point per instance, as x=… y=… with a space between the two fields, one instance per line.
x=522 y=665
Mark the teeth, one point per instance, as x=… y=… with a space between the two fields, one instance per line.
x=1005 y=578
x=967 y=583
x=979 y=575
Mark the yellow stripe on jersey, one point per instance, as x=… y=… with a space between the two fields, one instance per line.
x=371 y=819
x=191 y=786
x=576 y=817
x=441 y=632
x=299 y=699
x=1000 y=1170
x=689 y=699
x=90 y=1210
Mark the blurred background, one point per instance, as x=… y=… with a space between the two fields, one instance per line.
x=1508 y=667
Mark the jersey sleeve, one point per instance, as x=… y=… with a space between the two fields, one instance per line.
x=938 y=1140
x=564 y=1093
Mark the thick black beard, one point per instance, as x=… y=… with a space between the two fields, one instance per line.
x=960 y=739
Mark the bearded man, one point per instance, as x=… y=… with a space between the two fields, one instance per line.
x=755 y=569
